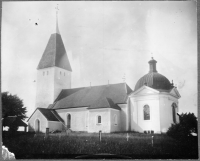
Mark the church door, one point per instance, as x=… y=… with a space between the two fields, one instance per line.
x=68 y=121
x=37 y=125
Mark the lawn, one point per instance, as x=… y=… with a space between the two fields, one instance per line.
x=139 y=146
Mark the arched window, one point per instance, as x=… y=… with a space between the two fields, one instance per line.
x=174 y=109
x=146 y=110
x=98 y=119
x=68 y=121
x=47 y=72
x=60 y=73
x=43 y=73
x=64 y=73
x=115 y=119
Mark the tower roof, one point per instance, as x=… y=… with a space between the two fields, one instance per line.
x=55 y=53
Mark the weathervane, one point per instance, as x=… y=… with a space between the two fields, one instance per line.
x=57 y=9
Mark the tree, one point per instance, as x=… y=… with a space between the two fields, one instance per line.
x=12 y=105
x=183 y=129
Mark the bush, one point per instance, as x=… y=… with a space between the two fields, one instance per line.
x=183 y=129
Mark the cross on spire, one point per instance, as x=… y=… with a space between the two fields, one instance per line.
x=151 y=55
x=57 y=30
x=124 y=78
x=57 y=9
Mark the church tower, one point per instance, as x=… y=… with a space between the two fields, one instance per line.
x=53 y=71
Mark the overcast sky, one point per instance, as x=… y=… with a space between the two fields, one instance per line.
x=104 y=41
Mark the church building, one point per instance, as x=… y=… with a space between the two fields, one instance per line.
x=151 y=107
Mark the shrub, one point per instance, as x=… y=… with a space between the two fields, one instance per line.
x=183 y=129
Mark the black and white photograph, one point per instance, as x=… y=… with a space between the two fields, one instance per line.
x=99 y=80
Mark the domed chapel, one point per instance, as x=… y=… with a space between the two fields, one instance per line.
x=151 y=107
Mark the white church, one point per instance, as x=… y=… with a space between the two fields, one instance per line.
x=151 y=107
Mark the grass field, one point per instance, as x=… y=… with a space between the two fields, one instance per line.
x=139 y=146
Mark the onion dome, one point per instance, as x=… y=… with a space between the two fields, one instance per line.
x=153 y=79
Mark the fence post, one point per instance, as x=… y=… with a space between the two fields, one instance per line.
x=47 y=132
x=152 y=141
x=127 y=136
x=100 y=135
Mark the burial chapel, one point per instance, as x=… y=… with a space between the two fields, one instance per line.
x=151 y=107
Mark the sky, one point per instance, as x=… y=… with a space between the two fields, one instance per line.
x=104 y=40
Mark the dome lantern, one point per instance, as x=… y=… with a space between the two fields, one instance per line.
x=152 y=65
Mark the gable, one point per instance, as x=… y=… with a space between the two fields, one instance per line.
x=50 y=115
x=174 y=92
x=36 y=114
x=144 y=90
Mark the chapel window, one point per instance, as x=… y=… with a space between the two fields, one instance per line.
x=146 y=110
x=68 y=121
x=115 y=119
x=98 y=119
x=174 y=107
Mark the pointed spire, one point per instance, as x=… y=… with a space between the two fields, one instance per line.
x=57 y=30
x=55 y=53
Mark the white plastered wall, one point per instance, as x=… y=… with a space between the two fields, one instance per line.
x=50 y=82
x=123 y=117
x=166 y=114
x=45 y=87
x=43 y=122
x=78 y=117
x=114 y=127
x=105 y=120
x=137 y=121
x=54 y=125
x=62 y=80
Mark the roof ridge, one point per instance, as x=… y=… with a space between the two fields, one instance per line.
x=112 y=104
x=54 y=62
x=108 y=101
x=55 y=115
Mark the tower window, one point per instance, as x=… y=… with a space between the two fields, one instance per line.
x=60 y=73
x=47 y=72
x=64 y=73
x=43 y=73
x=146 y=110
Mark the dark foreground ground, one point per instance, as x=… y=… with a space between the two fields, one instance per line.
x=80 y=145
